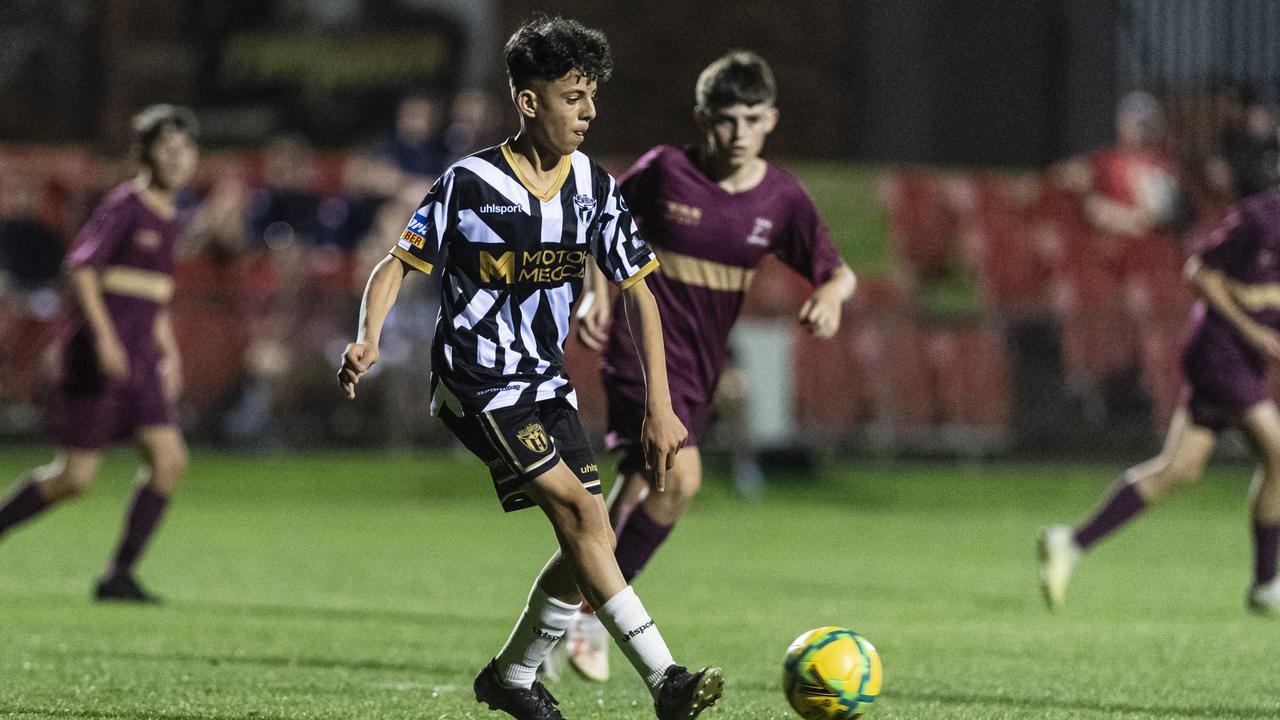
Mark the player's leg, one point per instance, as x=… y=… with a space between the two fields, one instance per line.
x=1262 y=427
x=164 y=456
x=39 y=489
x=1186 y=449
x=586 y=569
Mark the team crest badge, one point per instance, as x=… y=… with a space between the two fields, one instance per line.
x=586 y=207
x=533 y=437
x=148 y=239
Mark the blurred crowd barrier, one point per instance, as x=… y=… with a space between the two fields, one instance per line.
x=1013 y=322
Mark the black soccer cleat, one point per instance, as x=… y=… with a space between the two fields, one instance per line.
x=122 y=587
x=684 y=695
x=535 y=703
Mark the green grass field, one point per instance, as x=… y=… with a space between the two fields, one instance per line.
x=370 y=586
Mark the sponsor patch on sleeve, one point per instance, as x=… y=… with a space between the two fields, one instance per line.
x=413 y=238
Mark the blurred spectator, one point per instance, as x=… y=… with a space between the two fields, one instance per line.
x=416 y=146
x=1251 y=149
x=1133 y=186
x=30 y=251
x=474 y=124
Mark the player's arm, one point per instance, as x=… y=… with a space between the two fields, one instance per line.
x=379 y=296
x=1212 y=285
x=663 y=434
x=820 y=313
x=113 y=361
x=170 y=358
x=595 y=309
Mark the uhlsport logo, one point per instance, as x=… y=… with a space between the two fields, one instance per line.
x=632 y=633
x=533 y=437
x=495 y=209
x=586 y=207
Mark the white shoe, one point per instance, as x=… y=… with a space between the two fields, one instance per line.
x=1058 y=557
x=1265 y=599
x=587 y=645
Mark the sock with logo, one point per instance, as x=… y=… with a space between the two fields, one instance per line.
x=25 y=502
x=1266 y=540
x=638 y=540
x=636 y=635
x=537 y=631
x=1120 y=508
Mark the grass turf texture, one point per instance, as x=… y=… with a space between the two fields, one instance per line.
x=370 y=586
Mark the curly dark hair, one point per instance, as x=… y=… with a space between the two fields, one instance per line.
x=740 y=77
x=546 y=48
x=148 y=125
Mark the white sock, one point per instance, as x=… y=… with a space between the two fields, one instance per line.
x=537 y=631
x=637 y=636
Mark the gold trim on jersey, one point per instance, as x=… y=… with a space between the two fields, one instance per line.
x=136 y=282
x=648 y=268
x=421 y=266
x=554 y=190
x=704 y=273
x=1254 y=297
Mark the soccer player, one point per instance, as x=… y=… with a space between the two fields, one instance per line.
x=121 y=372
x=512 y=229
x=711 y=212
x=1233 y=337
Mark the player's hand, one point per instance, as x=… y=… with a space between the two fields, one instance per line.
x=820 y=314
x=171 y=377
x=113 y=360
x=594 y=315
x=1264 y=340
x=356 y=361
x=662 y=437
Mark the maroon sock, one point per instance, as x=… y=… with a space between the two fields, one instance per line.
x=1119 y=509
x=1266 y=541
x=144 y=514
x=22 y=505
x=639 y=539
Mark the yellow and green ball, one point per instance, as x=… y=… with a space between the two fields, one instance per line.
x=831 y=673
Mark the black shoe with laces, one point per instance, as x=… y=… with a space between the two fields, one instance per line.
x=124 y=588
x=684 y=695
x=535 y=703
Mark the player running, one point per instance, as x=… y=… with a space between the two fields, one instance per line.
x=1233 y=337
x=120 y=369
x=513 y=229
x=711 y=212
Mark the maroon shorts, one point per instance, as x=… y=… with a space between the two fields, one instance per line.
x=625 y=419
x=1223 y=380
x=87 y=411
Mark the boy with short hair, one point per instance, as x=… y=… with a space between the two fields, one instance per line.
x=513 y=229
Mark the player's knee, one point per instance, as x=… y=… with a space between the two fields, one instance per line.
x=1179 y=473
x=577 y=514
x=167 y=469
x=67 y=484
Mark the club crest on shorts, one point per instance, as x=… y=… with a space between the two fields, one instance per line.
x=533 y=437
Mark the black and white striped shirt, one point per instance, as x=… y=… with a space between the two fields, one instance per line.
x=513 y=263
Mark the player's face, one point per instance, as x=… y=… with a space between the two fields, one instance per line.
x=562 y=111
x=736 y=134
x=173 y=159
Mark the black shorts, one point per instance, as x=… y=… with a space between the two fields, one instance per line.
x=520 y=443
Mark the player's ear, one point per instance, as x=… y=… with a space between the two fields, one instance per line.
x=770 y=119
x=527 y=103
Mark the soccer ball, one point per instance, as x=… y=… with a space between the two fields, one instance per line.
x=831 y=673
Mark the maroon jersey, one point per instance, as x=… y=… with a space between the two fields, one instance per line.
x=1225 y=373
x=708 y=242
x=131 y=245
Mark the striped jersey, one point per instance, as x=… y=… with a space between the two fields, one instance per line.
x=512 y=265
